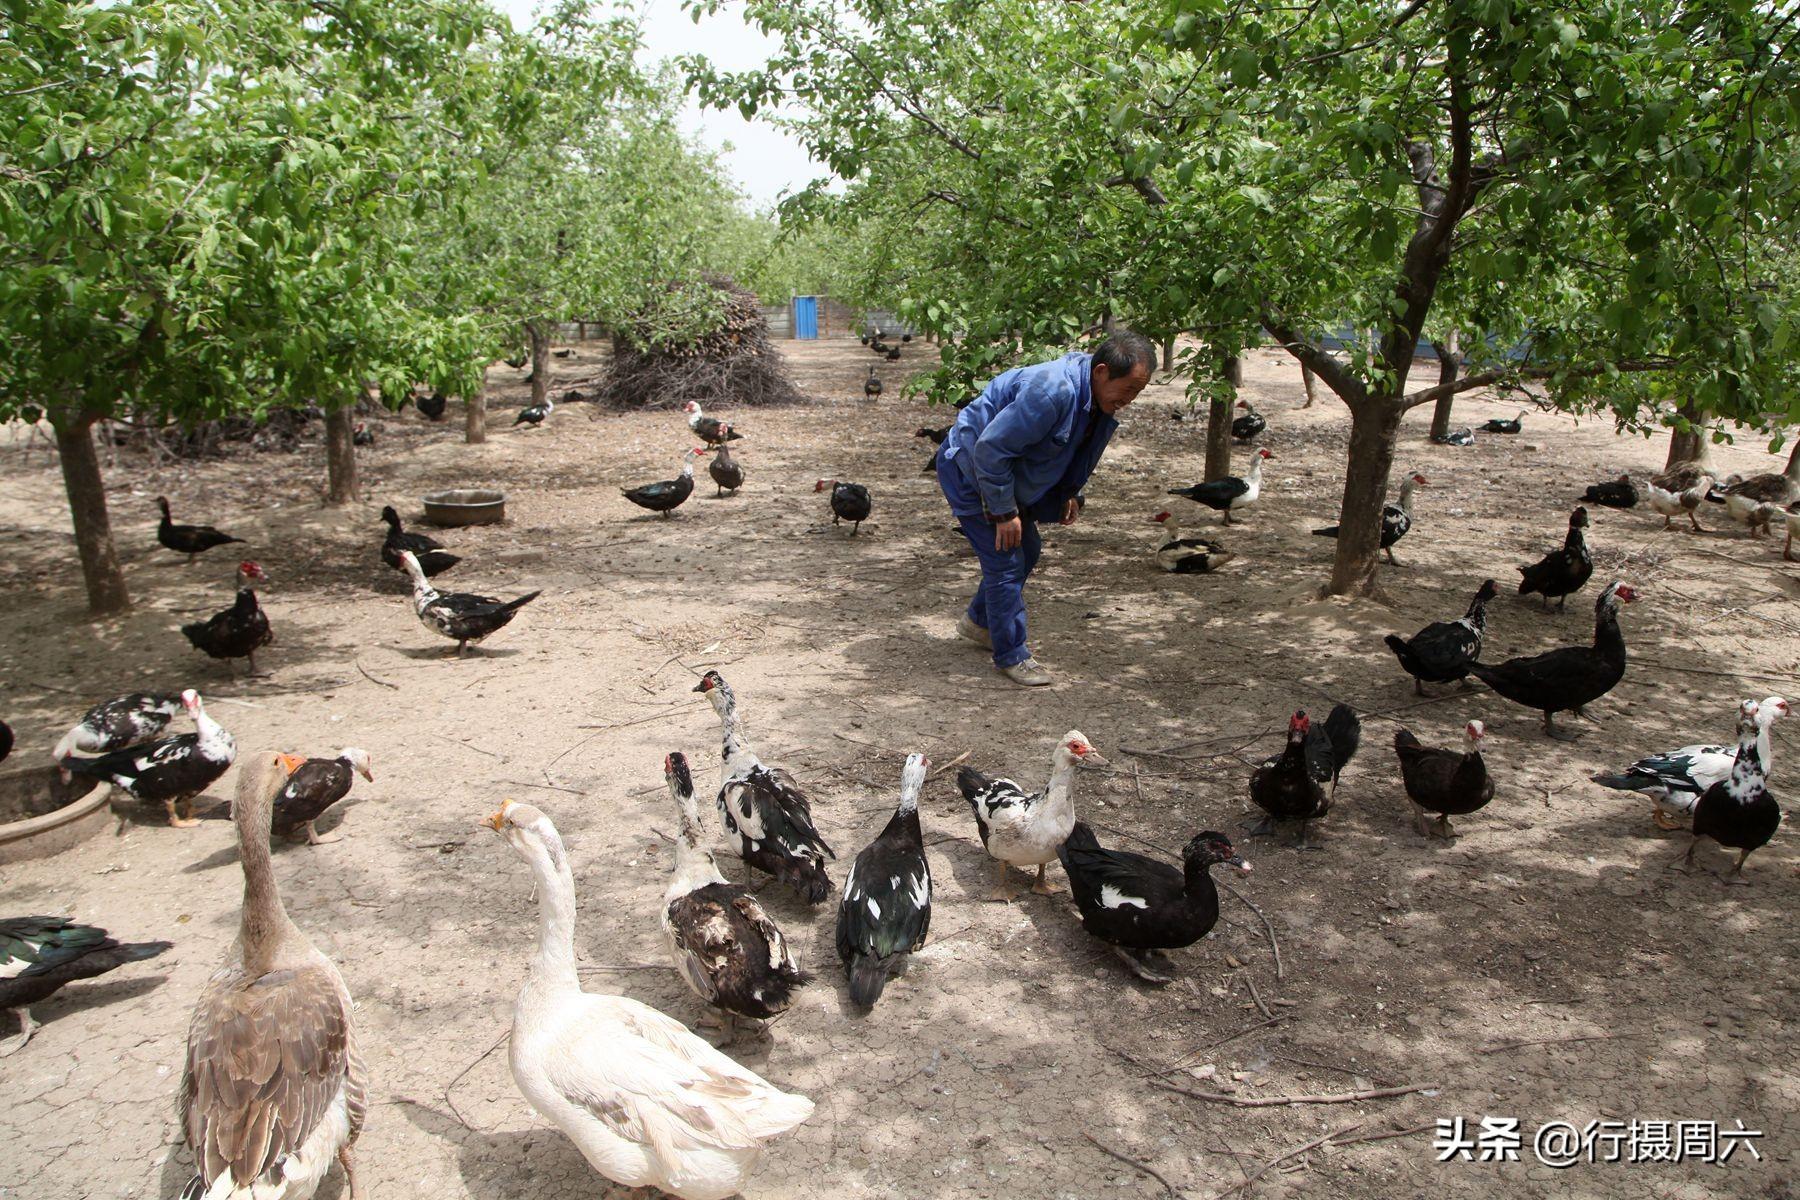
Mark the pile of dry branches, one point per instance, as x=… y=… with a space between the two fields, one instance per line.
x=731 y=362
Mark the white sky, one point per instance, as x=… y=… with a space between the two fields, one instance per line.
x=765 y=161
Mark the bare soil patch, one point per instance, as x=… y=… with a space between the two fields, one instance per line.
x=1544 y=966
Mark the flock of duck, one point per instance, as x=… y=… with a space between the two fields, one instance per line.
x=274 y=1089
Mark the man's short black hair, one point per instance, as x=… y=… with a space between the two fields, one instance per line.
x=1123 y=351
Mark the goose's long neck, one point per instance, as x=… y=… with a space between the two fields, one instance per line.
x=736 y=747
x=264 y=925
x=694 y=864
x=555 y=958
x=1059 y=797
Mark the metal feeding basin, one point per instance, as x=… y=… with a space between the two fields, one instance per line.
x=465 y=506
x=40 y=815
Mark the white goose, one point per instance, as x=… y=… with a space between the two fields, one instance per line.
x=274 y=1088
x=646 y=1102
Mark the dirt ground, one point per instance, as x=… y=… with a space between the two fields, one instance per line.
x=1544 y=966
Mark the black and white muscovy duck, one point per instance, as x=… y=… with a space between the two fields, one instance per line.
x=710 y=430
x=767 y=818
x=239 y=631
x=893 y=354
x=1497 y=425
x=120 y=722
x=1026 y=829
x=1141 y=906
x=1680 y=490
x=517 y=362
x=363 y=436
x=1571 y=677
x=169 y=772
x=1449 y=783
x=1291 y=785
x=572 y=396
x=726 y=946
x=1230 y=493
x=565 y=352
x=460 y=616
x=1442 y=651
x=39 y=955
x=1676 y=779
x=885 y=912
x=849 y=502
x=1456 y=437
x=872 y=386
x=1737 y=812
x=726 y=471
x=190 y=540
x=433 y=558
x=535 y=414
x=1614 y=493
x=667 y=495
x=1187 y=556
x=314 y=786
x=1756 y=500
x=1396 y=519
x=1561 y=572
x=1250 y=424
x=431 y=405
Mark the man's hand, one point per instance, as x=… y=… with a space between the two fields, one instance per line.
x=1071 y=510
x=1008 y=533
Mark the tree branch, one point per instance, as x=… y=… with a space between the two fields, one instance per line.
x=1502 y=374
x=1348 y=387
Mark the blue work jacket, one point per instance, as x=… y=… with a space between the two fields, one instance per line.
x=1020 y=446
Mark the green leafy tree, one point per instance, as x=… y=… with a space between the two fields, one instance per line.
x=1589 y=192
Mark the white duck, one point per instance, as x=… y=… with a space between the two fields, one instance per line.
x=1026 y=829
x=274 y=1088
x=1676 y=780
x=646 y=1102
x=1673 y=501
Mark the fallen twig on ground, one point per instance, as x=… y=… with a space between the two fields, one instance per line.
x=1282 y=1101
x=1555 y=1041
x=365 y=674
x=1296 y=1152
x=449 y=1087
x=1129 y=1161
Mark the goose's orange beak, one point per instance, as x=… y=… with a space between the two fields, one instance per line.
x=497 y=821
x=289 y=762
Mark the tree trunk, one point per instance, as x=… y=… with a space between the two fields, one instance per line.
x=1310 y=382
x=340 y=455
x=1218 y=421
x=1690 y=445
x=1449 y=352
x=1168 y=354
x=1374 y=428
x=100 y=568
x=475 y=413
x=540 y=360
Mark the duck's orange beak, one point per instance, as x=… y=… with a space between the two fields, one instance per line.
x=497 y=821
x=289 y=762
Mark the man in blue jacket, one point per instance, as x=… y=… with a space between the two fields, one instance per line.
x=1020 y=453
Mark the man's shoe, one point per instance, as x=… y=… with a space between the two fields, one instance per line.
x=971 y=632
x=1029 y=673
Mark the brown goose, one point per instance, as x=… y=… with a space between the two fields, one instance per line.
x=273 y=1089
